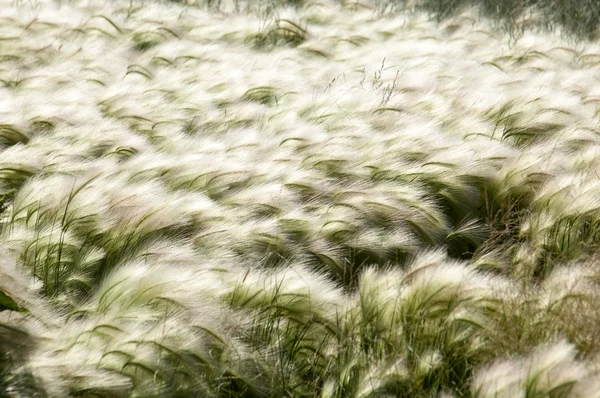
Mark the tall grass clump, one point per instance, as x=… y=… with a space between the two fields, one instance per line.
x=576 y=19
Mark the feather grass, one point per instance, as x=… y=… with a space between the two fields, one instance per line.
x=372 y=203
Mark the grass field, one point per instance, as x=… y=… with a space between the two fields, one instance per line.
x=311 y=199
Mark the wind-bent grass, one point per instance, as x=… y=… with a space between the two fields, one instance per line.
x=291 y=198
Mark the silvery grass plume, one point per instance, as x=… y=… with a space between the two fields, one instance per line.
x=408 y=332
x=548 y=371
x=144 y=333
x=23 y=318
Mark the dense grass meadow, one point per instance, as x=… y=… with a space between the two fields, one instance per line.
x=313 y=198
